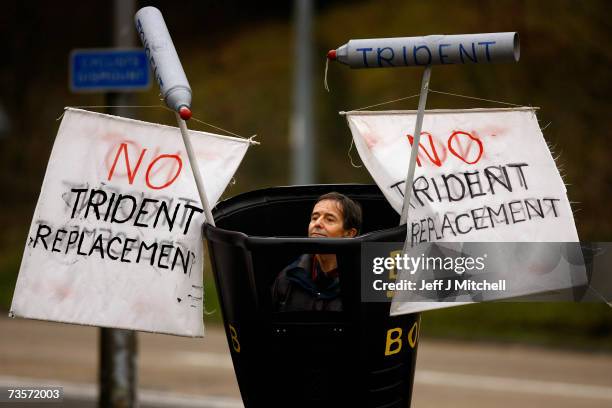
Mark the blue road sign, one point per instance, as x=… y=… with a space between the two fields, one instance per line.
x=109 y=70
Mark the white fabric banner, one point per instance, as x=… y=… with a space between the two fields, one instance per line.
x=115 y=240
x=482 y=175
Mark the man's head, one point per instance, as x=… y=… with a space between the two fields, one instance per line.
x=335 y=216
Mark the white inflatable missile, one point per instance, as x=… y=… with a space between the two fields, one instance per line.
x=429 y=50
x=164 y=60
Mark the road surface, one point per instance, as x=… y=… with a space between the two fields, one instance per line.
x=180 y=372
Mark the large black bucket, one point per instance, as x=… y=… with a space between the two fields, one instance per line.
x=359 y=357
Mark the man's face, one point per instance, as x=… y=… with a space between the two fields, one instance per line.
x=326 y=220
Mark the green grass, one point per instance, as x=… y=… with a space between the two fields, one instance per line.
x=586 y=326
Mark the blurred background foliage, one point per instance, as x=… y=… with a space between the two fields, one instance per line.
x=238 y=56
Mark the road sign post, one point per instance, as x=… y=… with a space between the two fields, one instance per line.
x=117 y=72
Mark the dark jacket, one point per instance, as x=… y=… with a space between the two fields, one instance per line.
x=295 y=289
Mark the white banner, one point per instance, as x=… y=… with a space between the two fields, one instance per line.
x=482 y=175
x=115 y=240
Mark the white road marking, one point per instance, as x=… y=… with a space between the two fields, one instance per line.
x=449 y=379
x=510 y=384
x=424 y=377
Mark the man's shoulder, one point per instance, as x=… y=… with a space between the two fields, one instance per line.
x=286 y=276
x=299 y=266
x=304 y=262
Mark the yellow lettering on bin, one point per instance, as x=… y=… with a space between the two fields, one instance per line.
x=391 y=339
x=413 y=335
x=234 y=337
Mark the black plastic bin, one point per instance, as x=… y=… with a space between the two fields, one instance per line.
x=360 y=357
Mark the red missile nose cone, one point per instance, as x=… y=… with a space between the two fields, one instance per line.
x=184 y=113
x=331 y=54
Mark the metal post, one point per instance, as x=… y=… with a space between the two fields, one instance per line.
x=118 y=375
x=195 y=170
x=301 y=138
x=118 y=348
x=415 y=144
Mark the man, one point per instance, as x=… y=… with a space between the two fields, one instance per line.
x=311 y=282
